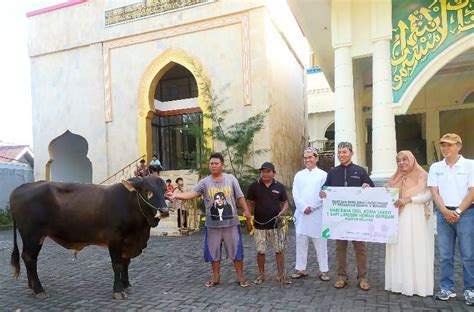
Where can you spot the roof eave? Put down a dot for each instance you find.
(314, 19)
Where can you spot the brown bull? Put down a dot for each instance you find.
(74, 215)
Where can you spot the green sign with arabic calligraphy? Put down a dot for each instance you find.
(421, 30)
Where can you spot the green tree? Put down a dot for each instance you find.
(236, 138)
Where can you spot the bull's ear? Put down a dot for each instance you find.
(128, 186)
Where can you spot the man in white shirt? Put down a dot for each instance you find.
(452, 185)
(308, 215)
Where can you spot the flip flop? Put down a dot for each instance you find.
(243, 284)
(211, 283)
(259, 280)
(364, 284)
(299, 274)
(323, 276)
(340, 284)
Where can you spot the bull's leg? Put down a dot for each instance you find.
(125, 282)
(115, 251)
(30, 279)
(30, 257)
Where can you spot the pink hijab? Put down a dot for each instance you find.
(411, 181)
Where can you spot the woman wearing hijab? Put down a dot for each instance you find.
(409, 263)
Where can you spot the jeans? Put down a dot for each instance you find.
(447, 234)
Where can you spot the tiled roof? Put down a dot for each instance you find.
(10, 153)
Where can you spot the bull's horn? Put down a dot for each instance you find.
(128, 185)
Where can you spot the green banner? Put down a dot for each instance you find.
(422, 30)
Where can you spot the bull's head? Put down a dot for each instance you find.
(151, 192)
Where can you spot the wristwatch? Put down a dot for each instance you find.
(458, 211)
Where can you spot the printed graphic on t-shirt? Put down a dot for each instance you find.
(221, 208)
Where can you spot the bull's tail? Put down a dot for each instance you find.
(15, 260)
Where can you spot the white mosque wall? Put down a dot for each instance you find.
(68, 80)
(220, 54)
(67, 94)
(69, 28)
(286, 78)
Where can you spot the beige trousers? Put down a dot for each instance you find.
(341, 259)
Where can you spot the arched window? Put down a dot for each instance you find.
(469, 98)
(178, 83)
(330, 136)
(178, 120)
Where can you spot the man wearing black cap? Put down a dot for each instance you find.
(268, 197)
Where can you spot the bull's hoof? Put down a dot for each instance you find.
(128, 290)
(41, 295)
(119, 295)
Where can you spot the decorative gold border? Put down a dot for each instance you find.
(437, 63)
(224, 21)
(147, 87)
(144, 10)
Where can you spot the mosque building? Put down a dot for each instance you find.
(115, 81)
(393, 75)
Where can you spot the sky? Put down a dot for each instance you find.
(15, 85)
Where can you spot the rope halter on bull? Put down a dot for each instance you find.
(280, 224)
(157, 211)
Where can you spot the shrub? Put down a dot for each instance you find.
(6, 216)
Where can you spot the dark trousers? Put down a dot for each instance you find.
(182, 218)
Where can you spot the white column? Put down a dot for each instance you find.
(344, 114)
(384, 144)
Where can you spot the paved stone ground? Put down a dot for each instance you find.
(170, 275)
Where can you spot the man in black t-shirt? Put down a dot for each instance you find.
(268, 197)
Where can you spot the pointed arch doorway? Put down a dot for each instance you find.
(177, 120)
(174, 92)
